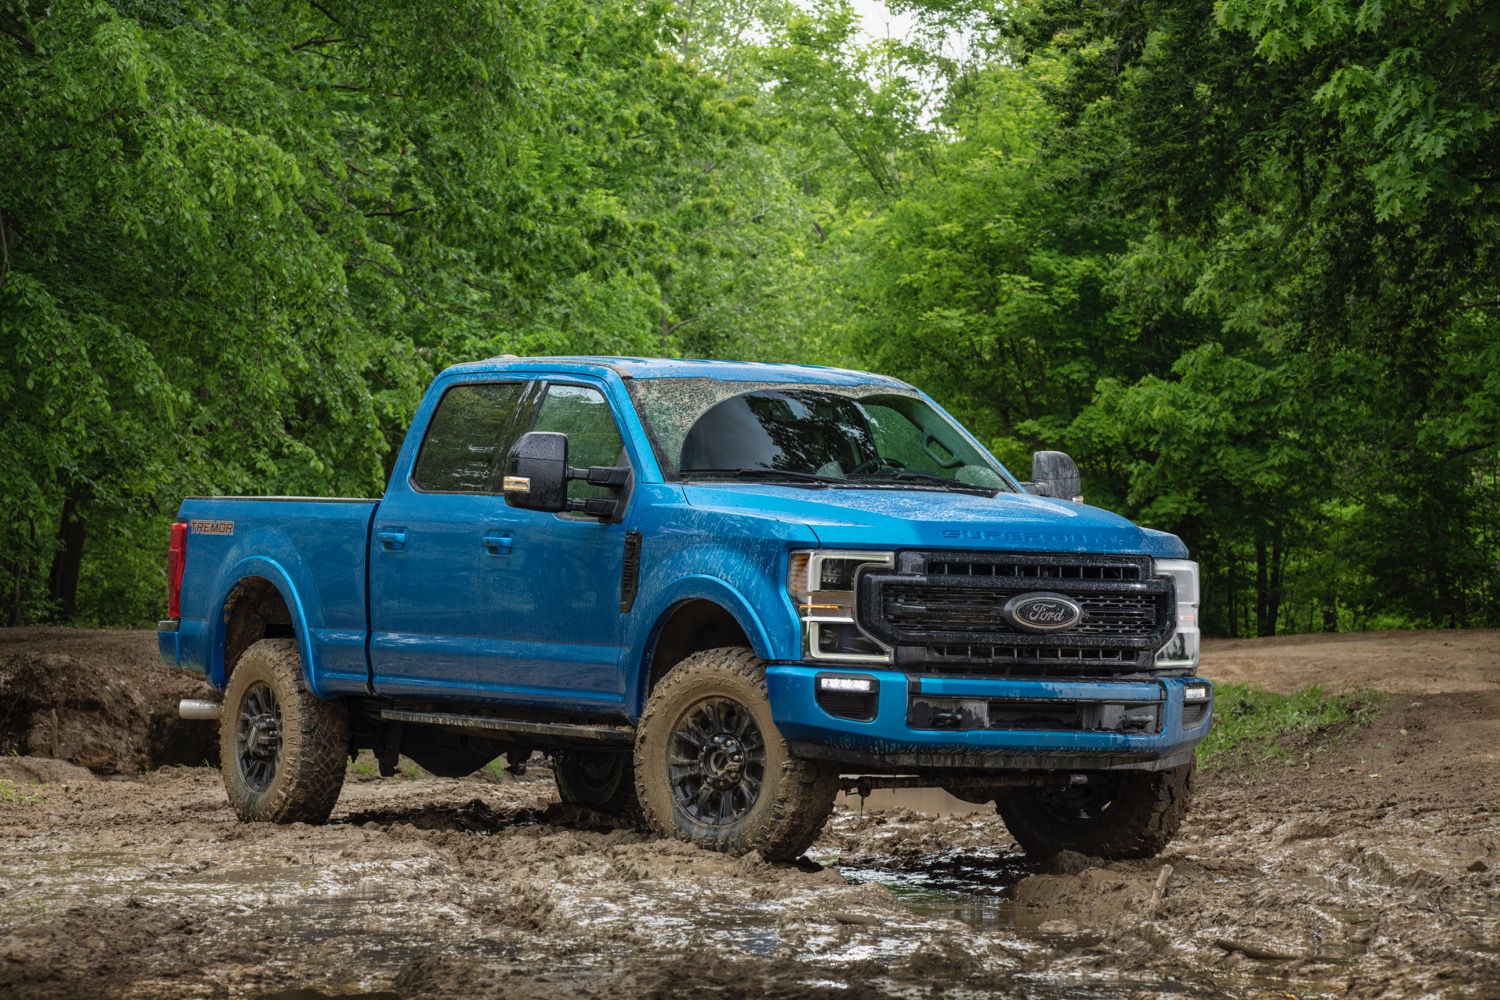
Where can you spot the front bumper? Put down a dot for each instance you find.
(1093, 738)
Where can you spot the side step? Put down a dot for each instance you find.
(552, 733)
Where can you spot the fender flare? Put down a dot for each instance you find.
(695, 588)
(277, 576)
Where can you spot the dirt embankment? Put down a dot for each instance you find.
(1365, 868)
(101, 699)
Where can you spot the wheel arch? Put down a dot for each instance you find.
(262, 603)
(692, 623)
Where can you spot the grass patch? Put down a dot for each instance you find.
(1259, 726)
(366, 764)
(10, 793)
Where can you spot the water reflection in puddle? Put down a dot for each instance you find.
(966, 886)
(972, 886)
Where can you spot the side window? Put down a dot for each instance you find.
(468, 438)
(593, 439)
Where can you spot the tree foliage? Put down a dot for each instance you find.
(1238, 257)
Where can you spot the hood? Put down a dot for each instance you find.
(901, 519)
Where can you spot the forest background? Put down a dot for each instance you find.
(1238, 257)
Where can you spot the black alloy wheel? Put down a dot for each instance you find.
(601, 780)
(283, 750)
(258, 737)
(717, 763)
(711, 767)
(1119, 814)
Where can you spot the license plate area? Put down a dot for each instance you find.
(960, 714)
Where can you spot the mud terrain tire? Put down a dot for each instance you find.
(601, 780)
(1129, 814)
(283, 749)
(712, 769)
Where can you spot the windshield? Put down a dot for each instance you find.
(846, 435)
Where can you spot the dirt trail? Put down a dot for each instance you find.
(1444, 662)
(1365, 868)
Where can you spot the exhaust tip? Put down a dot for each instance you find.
(197, 708)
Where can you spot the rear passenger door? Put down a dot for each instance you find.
(433, 544)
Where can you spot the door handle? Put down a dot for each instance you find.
(391, 539)
(498, 544)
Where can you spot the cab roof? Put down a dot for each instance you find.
(652, 368)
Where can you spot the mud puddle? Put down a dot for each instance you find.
(973, 890)
(972, 887)
(1364, 868)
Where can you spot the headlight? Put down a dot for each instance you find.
(1181, 650)
(822, 585)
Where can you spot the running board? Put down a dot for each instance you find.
(564, 733)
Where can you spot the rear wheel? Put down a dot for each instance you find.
(599, 779)
(1124, 814)
(711, 767)
(283, 750)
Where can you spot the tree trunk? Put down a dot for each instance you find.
(1273, 595)
(62, 586)
(1231, 604)
(15, 594)
(1263, 625)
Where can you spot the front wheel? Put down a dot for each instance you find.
(283, 750)
(1123, 814)
(712, 769)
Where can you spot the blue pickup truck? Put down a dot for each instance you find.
(713, 593)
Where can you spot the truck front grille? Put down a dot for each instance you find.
(941, 612)
(1016, 568)
(975, 609)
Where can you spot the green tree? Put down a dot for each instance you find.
(238, 239)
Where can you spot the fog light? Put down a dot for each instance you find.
(1194, 693)
(862, 685)
(844, 697)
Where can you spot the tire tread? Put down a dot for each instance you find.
(805, 791)
(1148, 815)
(314, 747)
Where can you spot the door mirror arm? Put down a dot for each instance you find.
(615, 477)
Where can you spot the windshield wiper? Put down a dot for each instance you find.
(909, 476)
(768, 474)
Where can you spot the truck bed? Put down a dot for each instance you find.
(313, 550)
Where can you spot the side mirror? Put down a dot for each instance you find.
(539, 477)
(1054, 474)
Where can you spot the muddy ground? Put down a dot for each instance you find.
(1366, 866)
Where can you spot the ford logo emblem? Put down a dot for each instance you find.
(1042, 611)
